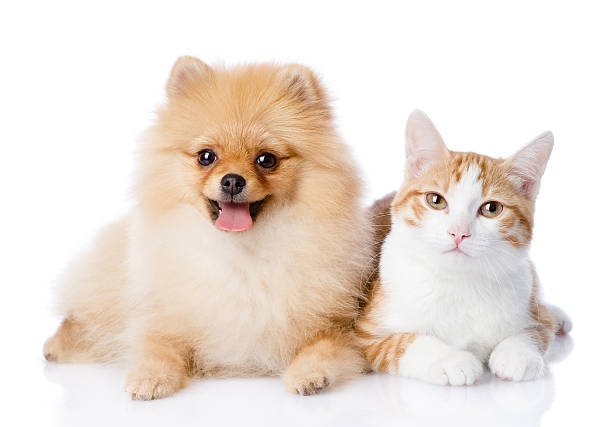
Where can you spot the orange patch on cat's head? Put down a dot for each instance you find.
(516, 220)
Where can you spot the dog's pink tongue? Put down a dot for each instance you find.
(234, 217)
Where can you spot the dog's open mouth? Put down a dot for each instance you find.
(231, 216)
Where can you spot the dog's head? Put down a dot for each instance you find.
(235, 142)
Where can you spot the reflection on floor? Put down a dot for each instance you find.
(91, 395)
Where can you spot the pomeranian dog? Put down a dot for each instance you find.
(247, 248)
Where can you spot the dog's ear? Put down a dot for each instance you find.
(186, 71)
(302, 83)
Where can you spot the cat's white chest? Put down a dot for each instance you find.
(467, 309)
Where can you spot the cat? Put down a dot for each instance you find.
(455, 286)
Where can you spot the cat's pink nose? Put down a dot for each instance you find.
(458, 236)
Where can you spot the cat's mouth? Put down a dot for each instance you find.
(457, 251)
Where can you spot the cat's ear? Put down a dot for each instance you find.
(528, 164)
(186, 71)
(424, 145)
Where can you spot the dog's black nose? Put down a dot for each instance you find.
(232, 184)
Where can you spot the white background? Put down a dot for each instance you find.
(79, 83)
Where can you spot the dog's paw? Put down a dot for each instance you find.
(306, 378)
(457, 369)
(52, 349)
(513, 361)
(66, 344)
(307, 385)
(146, 385)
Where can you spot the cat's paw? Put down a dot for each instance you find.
(563, 323)
(457, 369)
(513, 361)
(144, 384)
(431, 360)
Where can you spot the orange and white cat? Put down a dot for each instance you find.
(456, 288)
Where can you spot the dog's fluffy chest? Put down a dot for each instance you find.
(469, 310)
(245, 300)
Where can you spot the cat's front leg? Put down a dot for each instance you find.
(517, 358)
(422, 357)
(429, 359)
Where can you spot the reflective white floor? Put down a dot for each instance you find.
(89, 396)
(79, 395)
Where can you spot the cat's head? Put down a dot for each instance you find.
(463, 206)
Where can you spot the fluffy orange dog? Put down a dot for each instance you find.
(247, 247)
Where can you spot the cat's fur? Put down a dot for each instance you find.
(438, 313)
(177, 297)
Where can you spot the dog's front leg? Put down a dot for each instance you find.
(160, 370)
(329, 359)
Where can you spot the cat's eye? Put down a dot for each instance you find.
(436, 201)
(491, 209)
(206, 157)
(266, 160)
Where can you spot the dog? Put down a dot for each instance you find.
(247, 248)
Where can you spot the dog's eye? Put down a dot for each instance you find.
(206, 157)
(436, 201)
(491, 209)
(266, 160)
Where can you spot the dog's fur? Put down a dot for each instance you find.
(176, 297)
